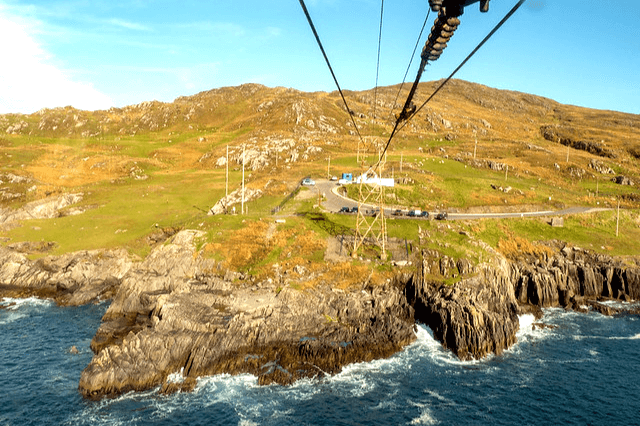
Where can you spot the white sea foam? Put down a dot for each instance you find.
(15, 304)
(636, 337)
(177, 377)
(425, 418)
(429, 346)
(620, 305)
(18, 308)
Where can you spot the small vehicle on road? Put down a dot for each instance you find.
(308, 182)
(344, 209)
(354, 210)
(414, 213)
(442, 216)
(424, 214)
(397, 212)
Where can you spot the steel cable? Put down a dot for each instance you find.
(375, 95)
(315, 33)
(495, 29)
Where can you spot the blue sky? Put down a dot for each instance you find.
(94, 54)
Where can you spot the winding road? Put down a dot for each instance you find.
(334, 202)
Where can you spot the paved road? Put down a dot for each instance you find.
(334, 203)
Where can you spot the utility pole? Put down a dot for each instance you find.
(226, 181)
(618, 219)
(242, 207)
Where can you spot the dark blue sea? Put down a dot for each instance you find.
(586, 371)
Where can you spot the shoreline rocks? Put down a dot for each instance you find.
(177, 315)
(184, 319)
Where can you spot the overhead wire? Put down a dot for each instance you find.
(478, 47)
(375, 95)
(326, 58)
(413, 55)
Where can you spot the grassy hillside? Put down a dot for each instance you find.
(158, 166)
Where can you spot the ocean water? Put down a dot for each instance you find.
(584, 371)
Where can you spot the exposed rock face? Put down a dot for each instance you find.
(478, 314)
(571, 276)
(175, 313)
(225, 204)
(600, 167)
(71, 279)
(474, 317)
(41, 209)
(172, 315)
(623, 180)
(563, 135)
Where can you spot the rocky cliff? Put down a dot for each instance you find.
(473, 309)
(174, 314)
(178, 315)
(71, 279)
(572, 277)
(474, 316)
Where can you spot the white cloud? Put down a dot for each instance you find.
(29, 78)
(128, 25)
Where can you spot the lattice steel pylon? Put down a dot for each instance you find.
(371, 222)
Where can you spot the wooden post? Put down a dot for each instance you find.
(567, 153)
(618, 220)
(226, 181)
(401, 158)
(329, 168)
(242, 209)
(597, 185)
(475, 147)
(506, 173)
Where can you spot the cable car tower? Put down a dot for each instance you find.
(371, 223)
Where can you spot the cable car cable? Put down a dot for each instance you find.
(413, 55)
(315, 33)
(406, 121)
(375, 95)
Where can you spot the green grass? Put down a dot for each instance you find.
(127, 211)
(594, 231)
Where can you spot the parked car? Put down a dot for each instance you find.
(354, 210)
(415, 213)
(424, 214)
(442, 216)
(334, 178)
(397, 212)
(344, 209)
(308, 182)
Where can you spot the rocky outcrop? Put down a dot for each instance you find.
(473, 310)
(46, 208)
(71, 279)
(571, 276)
(623, 180)
(564, 136)
(179, 315)
(475, 315)
(227, 204)
(174, 314)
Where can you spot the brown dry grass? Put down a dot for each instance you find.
(518, 248)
